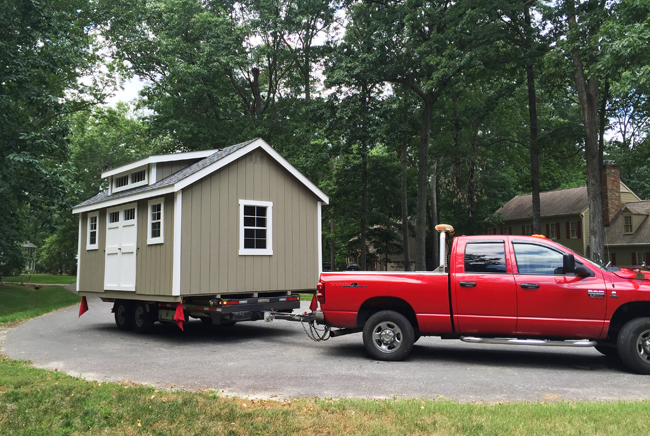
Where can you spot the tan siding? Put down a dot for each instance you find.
(628, 197)
(154, 263)
(211, 263)
(91, 274)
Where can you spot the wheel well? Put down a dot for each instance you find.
(625, 313)
(377, 304)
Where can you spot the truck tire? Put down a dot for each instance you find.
(634, 345)
(123, 314)
(142, 319)
(388, 335)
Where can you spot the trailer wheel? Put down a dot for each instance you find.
(142, 319)
(123, 315)
(388, 335)
(634, 345)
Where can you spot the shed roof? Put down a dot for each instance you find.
(191, 174)
(570, 201)
(614, 232)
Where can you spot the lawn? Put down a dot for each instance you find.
(19, 302)
(46, 279)
(39, 402)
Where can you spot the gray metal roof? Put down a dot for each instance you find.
(169, 180)
(614, 232)
(561, 202)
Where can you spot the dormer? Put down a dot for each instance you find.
(150, 170)
(631, 220)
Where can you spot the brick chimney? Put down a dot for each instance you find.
(611, 190)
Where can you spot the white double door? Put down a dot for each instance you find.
(121, 247)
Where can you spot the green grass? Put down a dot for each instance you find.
(306, 297)
(46, 279)
(19, 302)
(39, 402)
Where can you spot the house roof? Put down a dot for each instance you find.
(614, 232)
(570, 201)
(188, 175)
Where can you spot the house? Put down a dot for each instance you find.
(237, 220)
(565, 219)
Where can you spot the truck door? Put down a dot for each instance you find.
(552, 303)
(484, 289)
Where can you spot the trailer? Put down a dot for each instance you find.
(220, 235)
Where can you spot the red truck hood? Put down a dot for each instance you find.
(625, 273)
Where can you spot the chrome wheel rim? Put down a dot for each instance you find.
(643, 346)
(387, 337)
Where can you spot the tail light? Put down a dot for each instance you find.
(320, 292)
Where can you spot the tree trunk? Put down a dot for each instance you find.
(434, 214)
(423, 176)
(603, 123)
(332, 247)
(534, 144)
(364, 204)
(588, 99)
(405, 215)
(255, 89)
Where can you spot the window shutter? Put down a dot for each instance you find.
(647, 258)
(510, 230)
(557, 231)
(548, 231)
(568, 230)
(579, 229)
(613, 255)
(523, 230)
(633, 258)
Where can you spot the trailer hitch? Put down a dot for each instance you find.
(308, 321)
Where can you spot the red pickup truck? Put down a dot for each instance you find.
(495, 289)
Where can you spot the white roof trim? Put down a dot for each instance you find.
(159, 158)
(259, 143)
(124, 199)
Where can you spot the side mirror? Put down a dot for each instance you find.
(568, 263)
(581, 271)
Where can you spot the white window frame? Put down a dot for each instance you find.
(529, 230)
(625, 226)
(573, 230)
(553, 229)
(640, 258)
(160, 239)
(94, 246)
(268, 251)
(130, 184)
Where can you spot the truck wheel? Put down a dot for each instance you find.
(142, 320)
(388, 335)
(123, 315)
(634, 345)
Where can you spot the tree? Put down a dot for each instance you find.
(45, 48)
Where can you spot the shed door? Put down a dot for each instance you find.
(121, 246)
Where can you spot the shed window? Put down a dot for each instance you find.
(255, 227)
(138, 176)
(627, 224)
(91, 241)
(121, 181)
(134, 179)
(156, 216)
(114, 217)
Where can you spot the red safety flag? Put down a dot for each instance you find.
(179, 316)
(314, 303)
(84, 306)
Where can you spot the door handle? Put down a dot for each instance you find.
(529, 286)
(467, 284)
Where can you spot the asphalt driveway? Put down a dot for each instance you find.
(258, 359)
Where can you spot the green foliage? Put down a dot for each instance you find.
(20, 303)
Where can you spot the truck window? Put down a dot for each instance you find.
(485, 257)
(536, 259)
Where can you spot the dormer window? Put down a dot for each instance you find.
(131, 180)
(627, 224)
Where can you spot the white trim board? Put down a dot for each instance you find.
(159, 158)
(125, 199)
(176, 263)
